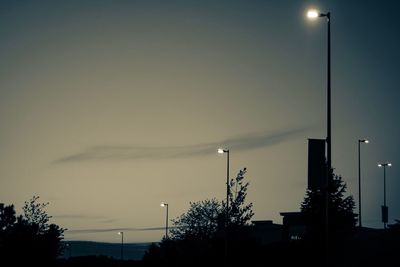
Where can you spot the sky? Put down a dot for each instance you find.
(108, 108)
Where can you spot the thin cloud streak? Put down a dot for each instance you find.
(78, 216)
(102, 219)
(128, 152)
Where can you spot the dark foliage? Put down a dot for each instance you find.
(205, 219)
(239, 212)
(199, 223)
(341, 219)
(28, 238)
(198, 236)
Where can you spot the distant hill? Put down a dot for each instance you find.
(132, 251)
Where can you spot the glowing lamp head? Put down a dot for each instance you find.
(385, 164)
(312, 14)
(366, 141)
(163, 204)
(222, 151)
(120, 233)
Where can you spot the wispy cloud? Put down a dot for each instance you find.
(104, 230)
(130, 152)
(77, 216)
(102, 219)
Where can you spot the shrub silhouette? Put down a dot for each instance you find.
(197, 236)
(28, 238)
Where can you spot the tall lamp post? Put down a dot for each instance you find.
(122, 244)
(385, 209)
(359, 179)
(222, 151)
(163, 204)
(314, 14)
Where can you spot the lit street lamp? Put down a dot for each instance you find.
(122, 244)
(222, 151)
(385, 209)
(314, 14)
(166, 221)
(359, 179)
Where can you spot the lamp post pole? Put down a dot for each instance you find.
(227, 189)
(359, 180)
(385, 217)
(166, 224)
(385, 209)
(166, 219)
(222, 151)
(328, 139)
(329, 129)
(122, 244)
(313, 14)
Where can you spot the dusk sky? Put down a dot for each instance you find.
(108, 108)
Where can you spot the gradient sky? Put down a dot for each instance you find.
(108, 108)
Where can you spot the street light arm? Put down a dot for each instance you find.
(328, 15)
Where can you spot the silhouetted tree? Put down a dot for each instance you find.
(239, 212)
(199, 222)
(204, 218)
(7, 217)
(29, 235)
(341, 216)
(34, 213)
(196, 237)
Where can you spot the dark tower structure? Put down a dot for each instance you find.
(316, 164)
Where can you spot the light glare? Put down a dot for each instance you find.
(385, 164)
(312, 14)
(220, 151)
